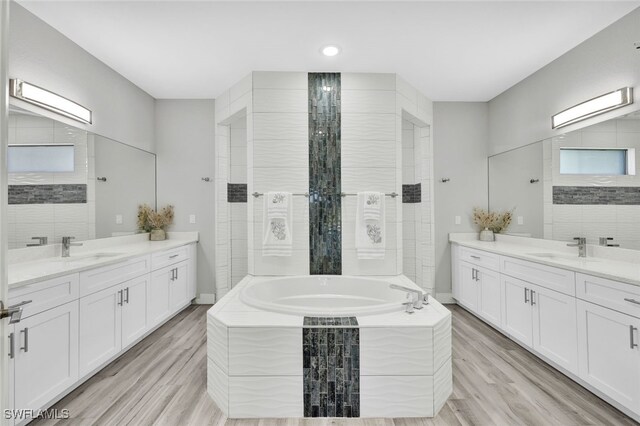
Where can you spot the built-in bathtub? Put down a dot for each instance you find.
(328, 346)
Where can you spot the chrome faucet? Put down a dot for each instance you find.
(418, 298)
(66, 245)
(582, 246)
(42, 241)
(604, 241)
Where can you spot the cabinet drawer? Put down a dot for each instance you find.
(546, 276)
(480, 258)
(608, 293)
(45, 295)
(169, 257)
(100, 278)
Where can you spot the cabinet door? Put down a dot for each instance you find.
(468, 286)
(46, 355)
(516, 310)
(100, 328)
(134, 309)
(555, 332)
(179, 288)
(455, 271)
(606, 357)
(158, 296)
(490, 297)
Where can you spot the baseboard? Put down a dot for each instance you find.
(445, 298)
(205, 299)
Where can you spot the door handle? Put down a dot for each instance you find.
(526, 295)
(12, 346)
(13, 312)
(126, 292)
(119, 297)
(632, 344)
(26, 339)
(533, 301)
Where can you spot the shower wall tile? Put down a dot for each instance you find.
(289, 179)
(368, 81)
(369, 179)
(280, 80)
(369, 101)
(280, 153)
(281, 125)
(364, 127)
(370, 153)
(280, 100)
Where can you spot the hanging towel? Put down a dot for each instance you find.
(277, 223)
(372, 203)
(370, 233)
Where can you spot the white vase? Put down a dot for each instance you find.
(487, 235)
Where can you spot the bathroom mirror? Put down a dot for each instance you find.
(65, 181)
(583, 183)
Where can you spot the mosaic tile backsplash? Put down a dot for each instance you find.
(594, 195)
(325, 227)
(331, 367)
(236, 192)
(412, 193)
(48, 194)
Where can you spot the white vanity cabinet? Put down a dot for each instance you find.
(589, 327)
(77, 323)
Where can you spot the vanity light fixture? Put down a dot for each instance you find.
(48, 100)
(330, 50)
(593, 107)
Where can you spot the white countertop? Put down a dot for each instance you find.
(605, 262)
(30, 265)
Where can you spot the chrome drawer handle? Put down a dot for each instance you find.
(632, 344)
(175, 255)
(475, 257)
(634, 301)
(26, 339)
(12, 346)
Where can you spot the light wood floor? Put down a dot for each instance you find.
(162, 380)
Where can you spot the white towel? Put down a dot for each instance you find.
(277, 222)
(372, 203)
(370, 233)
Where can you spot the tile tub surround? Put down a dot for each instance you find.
(411, 193)
(597, 195)
(48, 194)
(325, 202)
(255, 359)
(237, 192)
(33, 264)
(331, 366)
(612, 263)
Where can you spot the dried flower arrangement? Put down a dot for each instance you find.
(493, 221)
(155, 222)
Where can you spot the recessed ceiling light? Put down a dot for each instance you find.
(330, 50)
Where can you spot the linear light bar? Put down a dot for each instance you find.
(593, 107)
(53, 102)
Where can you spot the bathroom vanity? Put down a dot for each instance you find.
(89, 308)
(580, 315)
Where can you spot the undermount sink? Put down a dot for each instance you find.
(87, 258)
(561, 256)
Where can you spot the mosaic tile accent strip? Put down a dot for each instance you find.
(412, 193)
(615, 195)
(236, 193)
(48, 194)
(331, 367)
(325, 203)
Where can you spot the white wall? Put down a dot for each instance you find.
(41, 55)
(605, 62)
(185, 142)
(461, 136)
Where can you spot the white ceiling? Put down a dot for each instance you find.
(455, 51)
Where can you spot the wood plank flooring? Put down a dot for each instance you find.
(162, 381)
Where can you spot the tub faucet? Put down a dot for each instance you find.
(604, 241)
(418, 298)
(66, 245)
(582, 246)
(42, 241)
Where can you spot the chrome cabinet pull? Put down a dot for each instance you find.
(26, 339)
(119, 297)
(632, 344)
(473, 273)
(173, 256)
(475, 257)
(177, 273)
(526, 295)
(12, 346)
(533, 301)
(634, 301)
(126, 292)
(477, 275)
(173, 274)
